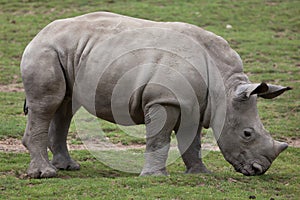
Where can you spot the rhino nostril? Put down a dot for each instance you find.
(257, 168)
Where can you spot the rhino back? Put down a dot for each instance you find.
(68, 34)
(96, 50)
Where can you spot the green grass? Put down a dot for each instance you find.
(96, 180)
(12, 119)
(265, 33)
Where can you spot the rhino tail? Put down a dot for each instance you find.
(25, 107)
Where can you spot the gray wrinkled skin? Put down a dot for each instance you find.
(172, 85)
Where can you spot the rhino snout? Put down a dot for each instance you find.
(257, 168)
(252, 169)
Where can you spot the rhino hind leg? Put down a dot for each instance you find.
(35, 140)
(160, 121)
(58, 132)
(45, 89)
(190, 150)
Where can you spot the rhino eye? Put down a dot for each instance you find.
(247, 134)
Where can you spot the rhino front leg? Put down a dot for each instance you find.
(190, 149)
(160, 121)
(58, 132)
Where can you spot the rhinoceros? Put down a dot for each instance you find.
(170, 76)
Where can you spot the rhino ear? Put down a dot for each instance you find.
(273, 91)
(244, 91)
(267, 91)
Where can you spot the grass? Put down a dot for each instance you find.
(12, 118)
(265, 33)
(96, 180)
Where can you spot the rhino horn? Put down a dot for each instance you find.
(279, 147)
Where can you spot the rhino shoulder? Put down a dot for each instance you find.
(221, 49)
(215, 46)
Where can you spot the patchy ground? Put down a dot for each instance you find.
(15, 145)
(15, 87)
(294, 142)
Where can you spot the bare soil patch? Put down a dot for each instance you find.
(15, 145)
(293, 142)
(15, 87)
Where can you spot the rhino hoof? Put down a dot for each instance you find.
(48, 172)
(197, 170)
(155, 173)
(66, 165)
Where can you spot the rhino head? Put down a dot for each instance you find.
(243, 141)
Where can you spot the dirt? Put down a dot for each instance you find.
(15, 145)
(15, 87)
(293, 142)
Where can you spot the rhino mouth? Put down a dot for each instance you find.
(251, 169)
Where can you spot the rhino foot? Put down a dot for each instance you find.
(198, 169)
(41, 172)
(65, 164)
(162, 172)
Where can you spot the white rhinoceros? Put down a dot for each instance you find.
(166, 75)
